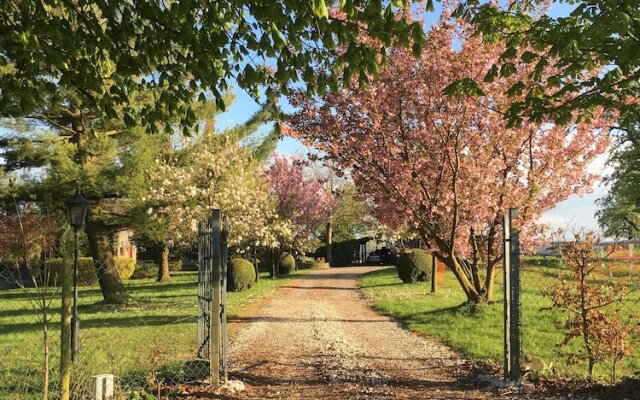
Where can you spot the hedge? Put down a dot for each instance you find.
(86, 270)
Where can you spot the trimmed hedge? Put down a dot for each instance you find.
(414, 266)
(86, 271)
(287, 264)
(240, 274)
(149, 269)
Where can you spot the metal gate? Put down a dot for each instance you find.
(212, 290)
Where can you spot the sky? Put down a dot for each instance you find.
(576, 211)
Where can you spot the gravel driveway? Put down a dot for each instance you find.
(316, 338)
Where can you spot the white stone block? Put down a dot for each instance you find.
(101, 387)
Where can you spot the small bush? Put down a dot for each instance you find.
(287, 264)
(149, 269)
(87, 272)
(307, 262)
(145, 270)
(240, 275)
(175, 265)
(414, 266)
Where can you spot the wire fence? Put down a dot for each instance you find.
(148, 342)
(151, 340)
(553, 340)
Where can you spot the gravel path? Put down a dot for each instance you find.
(316, 338)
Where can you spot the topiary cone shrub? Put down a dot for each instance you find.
(240, 274)
(414, 265)
(287, 264)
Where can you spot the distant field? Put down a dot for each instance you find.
(157, 327)
(477, 333)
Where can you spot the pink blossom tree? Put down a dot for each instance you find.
(300, 198)
(450, 166)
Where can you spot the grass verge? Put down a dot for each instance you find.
(158, 325)
(477, 332)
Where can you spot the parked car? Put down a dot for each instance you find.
(374, 258)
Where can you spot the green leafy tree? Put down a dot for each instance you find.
(182, 50)
(600, 36)
(619, 213)
(64, 145)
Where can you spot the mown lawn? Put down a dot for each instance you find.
(156, 328)
(478, 332)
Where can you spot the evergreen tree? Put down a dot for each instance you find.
(619, 213)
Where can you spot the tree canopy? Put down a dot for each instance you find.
(601, 36)
(449, 167)
(180, 51)
(299, 198)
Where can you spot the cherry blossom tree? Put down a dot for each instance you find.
(300, 199)
(450, 166)
(214, 172)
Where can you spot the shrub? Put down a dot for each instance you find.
(175, 265)
(240, 274)
(307, 262)
(87, 272)
(414, 266)
(145, 270)
(287, 264)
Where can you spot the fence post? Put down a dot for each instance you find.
(223, 295)
(216, 271)
(514, 277)
(506, 289)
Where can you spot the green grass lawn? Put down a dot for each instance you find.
(478, 332)
(157, 327)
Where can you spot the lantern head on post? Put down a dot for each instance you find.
(77, 206)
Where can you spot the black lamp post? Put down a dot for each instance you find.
(78, 206)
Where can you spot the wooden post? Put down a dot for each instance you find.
(434, 273)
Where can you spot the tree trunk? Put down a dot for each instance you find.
(255, 263)
(490, 280)
(45, 350)
(434, 274)
(274, 263)
(163, 270)
(100, 244)
(328, 243)
(473, 296)
(65, 333)
(586, 335)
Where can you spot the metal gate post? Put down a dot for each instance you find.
(223, 296)
(212, 295)
(514, 295)
(506, 268)
(216, 259)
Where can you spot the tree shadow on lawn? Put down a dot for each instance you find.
(109, 322)
(95, 291)
(382, 285)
